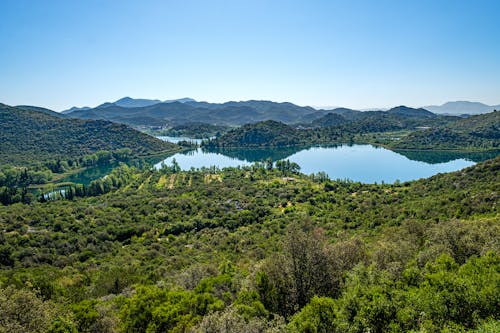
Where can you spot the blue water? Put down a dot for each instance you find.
(363, 163)
(369, 164)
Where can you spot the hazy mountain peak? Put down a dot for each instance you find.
(461, 107)
(128, 102)
(181, 100)
(76, 108)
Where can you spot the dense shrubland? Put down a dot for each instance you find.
(256, 249)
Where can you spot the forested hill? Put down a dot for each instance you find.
(476, 132)
(333, 128)
(417, 129)
(28, 136)
(487, 125)
(40, 109)
(261, 134)
(276, 134)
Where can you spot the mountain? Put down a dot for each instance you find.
(176, 112)
(462, 107)
(75, 108)
(411, 112)
(180, 100)
(399, 117)
(403, 111)
(127, 102)
(29, 136)
(186, 110)
(349, 113)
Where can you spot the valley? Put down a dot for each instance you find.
(249, 166)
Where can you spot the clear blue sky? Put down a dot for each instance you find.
(350, 53)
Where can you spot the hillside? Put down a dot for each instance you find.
(476, 132)
(42, 110)
(29, 136)
(485, 125)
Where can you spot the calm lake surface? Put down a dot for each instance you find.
(363, 163)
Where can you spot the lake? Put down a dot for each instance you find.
(363, 163)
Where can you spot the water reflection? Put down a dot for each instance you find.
(434, 157)
(364, 163)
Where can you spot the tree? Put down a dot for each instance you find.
(317, 316)
(175, 166)
(287, 282)
(23, 311)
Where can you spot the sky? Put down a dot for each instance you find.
(351, 53)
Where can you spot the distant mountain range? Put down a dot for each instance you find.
(128, 102)
(140, 112)
(462, 107)
(153, 112)
(144, 112)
